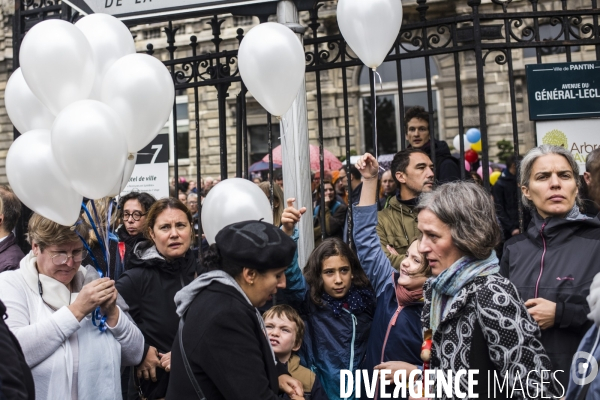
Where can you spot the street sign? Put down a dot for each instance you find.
(580, 137)
(151, 171)
(563, 90)
(134, 9)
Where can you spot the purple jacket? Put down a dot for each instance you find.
(10, 253)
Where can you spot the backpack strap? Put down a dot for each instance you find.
(186, 363)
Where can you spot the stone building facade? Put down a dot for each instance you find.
(443, 82)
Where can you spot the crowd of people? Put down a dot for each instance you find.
(441, 275)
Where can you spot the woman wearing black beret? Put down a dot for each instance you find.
(221, 350)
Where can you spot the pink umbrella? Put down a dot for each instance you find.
(330, 161)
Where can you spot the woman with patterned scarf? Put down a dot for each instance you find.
(336, 302)
(476, 317)
(396, 333)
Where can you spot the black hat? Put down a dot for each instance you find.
(256, 245)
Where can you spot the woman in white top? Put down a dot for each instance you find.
(49, 302)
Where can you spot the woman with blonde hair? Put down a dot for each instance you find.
(278, 203)
(396, 333)
(51, 302)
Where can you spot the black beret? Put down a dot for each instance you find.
(256, 245)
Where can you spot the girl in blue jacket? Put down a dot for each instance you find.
(336, 302)
(396, 334)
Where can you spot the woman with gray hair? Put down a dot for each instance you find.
(474, 315)
(554, 261)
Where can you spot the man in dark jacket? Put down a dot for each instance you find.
(419, 137)
(506, 196)
(10, 252)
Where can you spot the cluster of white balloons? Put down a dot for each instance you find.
(85, 104)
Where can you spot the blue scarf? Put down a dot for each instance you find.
(453, 279)
(356, 301)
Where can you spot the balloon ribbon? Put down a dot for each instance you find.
(98, 319)
(376, 74)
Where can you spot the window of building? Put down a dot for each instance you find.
(259, 140)
(550, 32)
(414, 84)
(242, 20)
(183, 130)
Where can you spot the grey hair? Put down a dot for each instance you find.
(534, 154)
(192, 195)
(468, 210)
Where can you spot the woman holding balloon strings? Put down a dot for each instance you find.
(49, 301)
(337, 303)
(159, 268)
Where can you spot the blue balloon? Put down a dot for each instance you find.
(473, 135)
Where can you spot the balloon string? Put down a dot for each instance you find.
(109, 215)
(96, 314)
(95, 229)
(102, 230)
(284, 120)
(375, 75)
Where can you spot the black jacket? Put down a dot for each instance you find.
(335, 218)
(149, 289)
(227, 350)
(559, 258)
(16, 381)
(130, 242)
(10, 253)
(447, 168)
(506, 197)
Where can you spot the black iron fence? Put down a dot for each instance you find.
(472, 41)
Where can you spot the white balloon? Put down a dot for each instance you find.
(456, 142)
(127, 171)
(272, 65)
(230, 201)
(109, 39)
(57, 64)
(25, 110)
(89, 145)
(370, 27)
(37, 180)
(139, 87)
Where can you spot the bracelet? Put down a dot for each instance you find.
(375, 175)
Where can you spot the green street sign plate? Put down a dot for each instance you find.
(563, 90)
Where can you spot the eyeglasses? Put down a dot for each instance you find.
(421, 129)
(192, 203)
(136, 215)
(62, 258)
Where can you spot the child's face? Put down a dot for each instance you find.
(282, 335)
(410, 265)
(337, 276)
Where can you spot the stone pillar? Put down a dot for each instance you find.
(294, 143)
